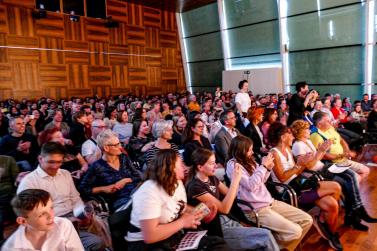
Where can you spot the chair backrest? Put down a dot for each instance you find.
(119, 223)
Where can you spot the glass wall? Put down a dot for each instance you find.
(202, 38)
(252, 28)
(326, 45)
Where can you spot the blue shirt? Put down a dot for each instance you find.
(100, 173)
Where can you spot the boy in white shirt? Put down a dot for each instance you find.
(39, 229)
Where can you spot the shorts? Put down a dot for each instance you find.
(308, 198)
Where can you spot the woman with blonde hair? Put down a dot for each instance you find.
(324, 194)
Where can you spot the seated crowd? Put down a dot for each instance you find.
(172, 156)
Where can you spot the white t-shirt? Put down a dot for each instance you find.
(300, 148)
(151, 201)
(62, 237)
(244, 100)
(90, 148)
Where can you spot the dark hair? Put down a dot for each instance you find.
(27, 200)
(268, 113)
(162, 170)
(110, 110)
(119, 116)
(275, 132)
(188, 134)
(138, 113)
(136, 126)
(238, 149)
(318, 116)
(300, 85)
(199, 157)
(78, 115)
(52, 148)
(240, 84)
(224, 116)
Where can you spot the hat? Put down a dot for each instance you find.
(339, 167)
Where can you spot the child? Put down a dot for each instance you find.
(39, 229)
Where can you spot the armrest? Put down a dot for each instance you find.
(290, 191)
(247, 204)
(315, 173)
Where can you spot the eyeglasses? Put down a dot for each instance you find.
(54, 162)
(99, 126)
(117, 144)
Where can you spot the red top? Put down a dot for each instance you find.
(336, 112)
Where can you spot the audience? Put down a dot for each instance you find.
(114, 172)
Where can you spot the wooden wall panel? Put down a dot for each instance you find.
(6, 76)
(74, 30)
(54, 53)
(53, 75)
(56, 57)
(117, 10)
(3, 51)
(53, 26)
(76, 52)
(119, 76)
(78, 76)
(135, 14)
(118, 54)
(118, 35)
(3, 19)
(100, 75)
(20, 21)
(98, 53)
(152, 17)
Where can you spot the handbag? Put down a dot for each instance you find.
(304, 183)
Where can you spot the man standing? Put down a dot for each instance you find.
(243, 101)
(300, 101)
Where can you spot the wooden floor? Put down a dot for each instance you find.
(351, 239)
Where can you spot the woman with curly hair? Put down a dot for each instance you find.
(159, 209)
(324, 194)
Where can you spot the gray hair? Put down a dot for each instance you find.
(104, 137)
(318, 116)
(160, 126)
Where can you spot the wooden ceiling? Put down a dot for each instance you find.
(173, 5)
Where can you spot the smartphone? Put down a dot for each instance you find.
(201, 207)
(31, 116)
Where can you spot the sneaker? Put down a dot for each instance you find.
(322, 228)
(335, 243)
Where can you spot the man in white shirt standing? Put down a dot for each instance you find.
(39, 229)
(58, 182)
(243, 101)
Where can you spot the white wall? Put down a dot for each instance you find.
(261, 81)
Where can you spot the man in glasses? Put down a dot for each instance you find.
(58, 182)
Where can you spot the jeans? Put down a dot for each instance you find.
(350, 187)
(245, 238)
